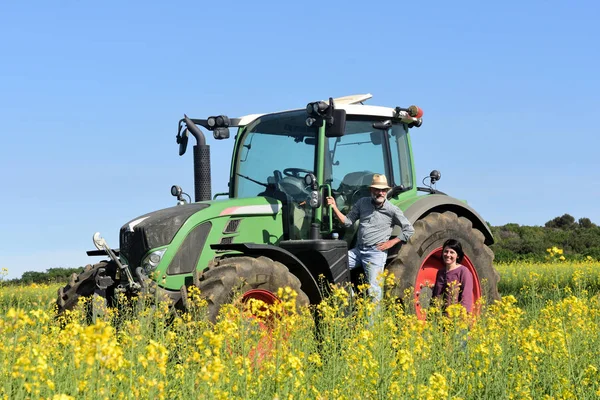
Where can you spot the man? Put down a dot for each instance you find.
(376, 216)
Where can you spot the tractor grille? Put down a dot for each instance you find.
(232, 226)
(153, 230)
(133, 246)
(226, 240)
(189, 252)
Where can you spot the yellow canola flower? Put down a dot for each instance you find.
(315, 359)
(156, 353)
(215, 340)
(94, 344)
(387, 355)
(17, 320)
(404, 359)
(437, 388)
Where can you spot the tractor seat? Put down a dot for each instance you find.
(355, 185)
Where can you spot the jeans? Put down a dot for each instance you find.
(373, 261)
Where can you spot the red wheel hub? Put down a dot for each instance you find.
(265, 296)
(426, 281)
(265, 344)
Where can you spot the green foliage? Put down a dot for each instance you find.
(51, 275)
(586, 223)
(565, 222)
(517, 243)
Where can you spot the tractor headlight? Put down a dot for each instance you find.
(151, 261)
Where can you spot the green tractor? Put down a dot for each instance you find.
(272, 229)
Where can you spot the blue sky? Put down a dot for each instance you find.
(90, 95)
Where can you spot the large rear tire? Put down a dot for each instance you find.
(248, 277)
(84, 285)
(419, 260)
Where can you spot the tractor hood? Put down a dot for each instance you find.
(153, 230)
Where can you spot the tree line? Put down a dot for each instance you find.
(51, 275)
(513, 242)
(578, 240)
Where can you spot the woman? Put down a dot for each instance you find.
(454, 282)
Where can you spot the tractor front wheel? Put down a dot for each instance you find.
(259, 278)
(419, 260)
(85, 285)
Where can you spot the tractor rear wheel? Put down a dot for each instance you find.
(419, 260)
(84, 285)
(259, 278)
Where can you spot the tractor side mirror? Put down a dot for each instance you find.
(182, 139)
(338, 127)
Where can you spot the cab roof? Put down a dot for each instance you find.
(352, 104)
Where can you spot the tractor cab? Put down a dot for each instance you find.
(287, 155)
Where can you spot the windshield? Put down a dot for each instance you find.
(363, 151)
(277, 150)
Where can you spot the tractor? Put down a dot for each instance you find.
(273, 229)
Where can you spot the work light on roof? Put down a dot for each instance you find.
(220, 121)
(318, 108)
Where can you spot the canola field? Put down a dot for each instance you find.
(541, 341)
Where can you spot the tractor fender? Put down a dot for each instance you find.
(296, 267)
(440, 203)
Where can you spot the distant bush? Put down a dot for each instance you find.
(529, 243)
(51, 275)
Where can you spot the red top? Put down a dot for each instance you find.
(454, 293)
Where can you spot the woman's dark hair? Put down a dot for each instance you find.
(457, 247)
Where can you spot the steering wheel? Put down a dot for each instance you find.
(292, 183)
(295, 172)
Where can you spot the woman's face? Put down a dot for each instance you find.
(449, 256)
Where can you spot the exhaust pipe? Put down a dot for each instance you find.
(202, 184)
(202, 188)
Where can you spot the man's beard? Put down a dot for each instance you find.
(377, 200)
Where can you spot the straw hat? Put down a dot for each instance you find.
(379, 182)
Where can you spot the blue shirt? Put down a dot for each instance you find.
(376, 223)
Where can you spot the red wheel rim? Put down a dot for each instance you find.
(265, 345)
(265, 296)
(426, 280)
